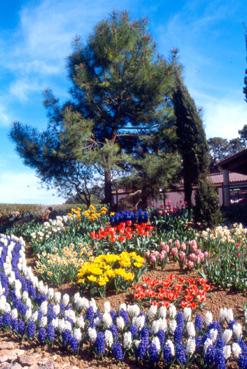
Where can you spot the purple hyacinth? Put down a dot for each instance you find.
(198, 323)
(167, 354)
(123, 313)
(14, 325)
(153, 353)
(100, 343)
(114, 332)
(31, 329)
(162, 337)
(242, 361)
(199, 343)
(90, 314)
(66, 337)
(21, 327)
(117, 351)
(133, 330)
(7, 320)
(42, 335)
(50, 333)
(180, 354)
(220, 359)
(74, 344)
(210, 356)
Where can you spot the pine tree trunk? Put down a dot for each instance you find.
(108, 188)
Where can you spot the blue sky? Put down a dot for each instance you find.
(35, 40)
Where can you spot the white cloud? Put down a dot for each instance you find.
(5, 117)
(42, 42)
(24, 188)
(222, 116)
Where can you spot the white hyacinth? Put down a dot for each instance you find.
(57, 297)
(170, 344)
(172, 311)
(133, 310)
(44, 307)
(207, 343)
(43, 321)
(123, 307)
(187, 313)
(227, 335)
(56, 309)
(172, 325)
(156, 326)
(80, 322)
(107, 320)
(156, 343)
(213, 334)
(236, 350)
(92, 334)
(208, 317)
(65, 299)
(108, 338)
(227, 351)
(77, 334)
(127, 340)
(107, 306)
(120, 323)
(152, 311)
(237, 330)
(162, 312)
(191, 329)
(191, 346)
(14, 314)
(139, 321)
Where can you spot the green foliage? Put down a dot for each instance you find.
(227, 268)
(206, 210)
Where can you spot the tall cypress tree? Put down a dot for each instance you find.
(191, 138)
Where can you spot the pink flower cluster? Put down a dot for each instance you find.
(189, 255)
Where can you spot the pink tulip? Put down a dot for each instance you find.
(183, 246)
(190, 264)
(165, 248)
(192, 257)
(182, 256)
(174, 251)
(153, 259)
(177, 243)
(205, 254)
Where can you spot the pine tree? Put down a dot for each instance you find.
(121, 92)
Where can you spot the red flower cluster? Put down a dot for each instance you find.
(122, 232)
(181, 291)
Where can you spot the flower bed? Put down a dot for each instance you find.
(31, 309)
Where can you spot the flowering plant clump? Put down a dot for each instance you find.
(188, 255)
(90, 214)
(228, 267)
(138, 216)
(122, 232)
(50, 228)
(180, 291)
(114, 272)
(62, 265)
(212, 238)
(31, 310)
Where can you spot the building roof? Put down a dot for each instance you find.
(217, 178)
(235, 163)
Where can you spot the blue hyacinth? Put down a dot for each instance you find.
(117, 351)
(42, 335)
(50, 332)
(74, 344)
(31, 329)
(167, 354)
(198, 323)
(100, 343)
(180, 354)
